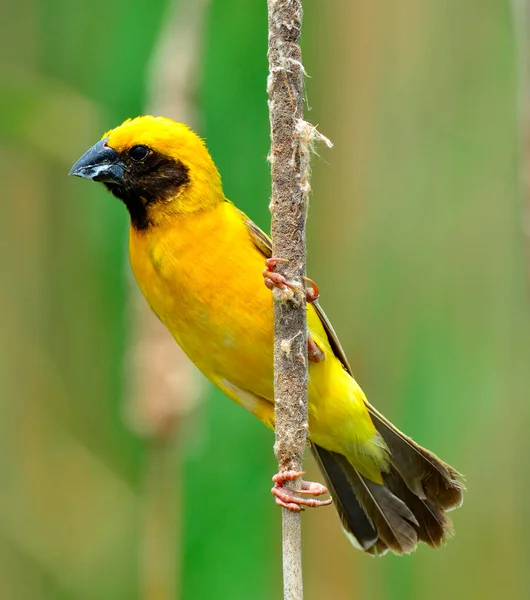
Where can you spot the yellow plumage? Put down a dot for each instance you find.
(198, 264)
(202, 277)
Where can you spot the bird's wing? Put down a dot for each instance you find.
(263, 242)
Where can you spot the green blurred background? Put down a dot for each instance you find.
(416, 239)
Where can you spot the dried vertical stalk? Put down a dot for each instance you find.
(291, 141)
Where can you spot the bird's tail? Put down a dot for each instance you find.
(410, 507)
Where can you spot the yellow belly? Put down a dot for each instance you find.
(202, 276)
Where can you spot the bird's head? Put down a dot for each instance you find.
(156, 166)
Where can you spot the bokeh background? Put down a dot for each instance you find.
(123, 474)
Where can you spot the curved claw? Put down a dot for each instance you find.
(273, 280)
(312, 292)
(314, 353)
(272, 262)
(291, 499)
(276, 280)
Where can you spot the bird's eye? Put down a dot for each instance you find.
(139, 152)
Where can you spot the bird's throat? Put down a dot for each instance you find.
(148, 195)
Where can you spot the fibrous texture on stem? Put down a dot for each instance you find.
(291, 141)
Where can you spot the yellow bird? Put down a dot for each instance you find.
(198, 261)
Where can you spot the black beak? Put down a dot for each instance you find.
(100, 163)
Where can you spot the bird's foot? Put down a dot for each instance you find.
(311, 292)
(314, 353)
(276, 280)
(291, 499)
(273, 280)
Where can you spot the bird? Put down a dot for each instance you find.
(198, 261)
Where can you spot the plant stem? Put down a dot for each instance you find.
(289, 209)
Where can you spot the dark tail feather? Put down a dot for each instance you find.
(425, 475)
(354, 520)
(433, 526)
(376, 518)
(409, 508)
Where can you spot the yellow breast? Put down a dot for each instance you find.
(202, 276)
